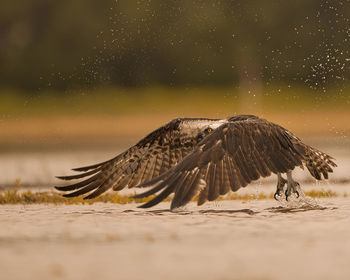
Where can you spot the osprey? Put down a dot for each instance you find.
(209, 157)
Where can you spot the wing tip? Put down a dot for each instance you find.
(90, 196)
(144, 206)
(138, 196)
(69, 195)
(65, 178)
(60, 188)
(80, 169)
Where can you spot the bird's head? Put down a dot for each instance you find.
(208, 129)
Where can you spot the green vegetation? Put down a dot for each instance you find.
(64, 44)
(162, 100)
(28, 197)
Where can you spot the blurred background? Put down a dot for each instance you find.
(82, 80)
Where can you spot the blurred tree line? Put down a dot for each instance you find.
(59, 44)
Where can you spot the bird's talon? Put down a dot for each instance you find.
(286, 193)
(297, 194)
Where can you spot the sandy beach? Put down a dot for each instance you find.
(240, 239)
(224, 240)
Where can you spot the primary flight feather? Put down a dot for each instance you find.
(209, 157)
(150, 157)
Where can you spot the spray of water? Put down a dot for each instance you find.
(303, 201)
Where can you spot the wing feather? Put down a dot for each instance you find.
(187, 191)
(213, 192)
(79, 176)
(236, 154)
(183, 183)
(79, 184)
(149, 158)
(164, 194)
(147, 175)
(84, 190)
(235, 181)
(202, 198)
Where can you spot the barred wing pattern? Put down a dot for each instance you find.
(235, 154)
(150, 157)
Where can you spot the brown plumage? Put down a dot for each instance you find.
(209, 157)
(241, 150)
(150, 157)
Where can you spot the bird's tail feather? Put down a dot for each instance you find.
(318, 163)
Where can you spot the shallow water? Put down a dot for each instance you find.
(38, 167)
(255, 239)
(222, 240)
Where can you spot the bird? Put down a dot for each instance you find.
(205, 157)
(151, 156)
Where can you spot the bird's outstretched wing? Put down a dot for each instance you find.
(235, 154)
(150, 157)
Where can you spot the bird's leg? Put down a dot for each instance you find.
(291, 185)
(280, 185)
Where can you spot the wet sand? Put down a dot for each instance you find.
(223, 240)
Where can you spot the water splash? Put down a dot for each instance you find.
(293, 202)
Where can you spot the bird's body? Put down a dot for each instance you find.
(202, 156)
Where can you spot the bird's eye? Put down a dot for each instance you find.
(209, 129)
